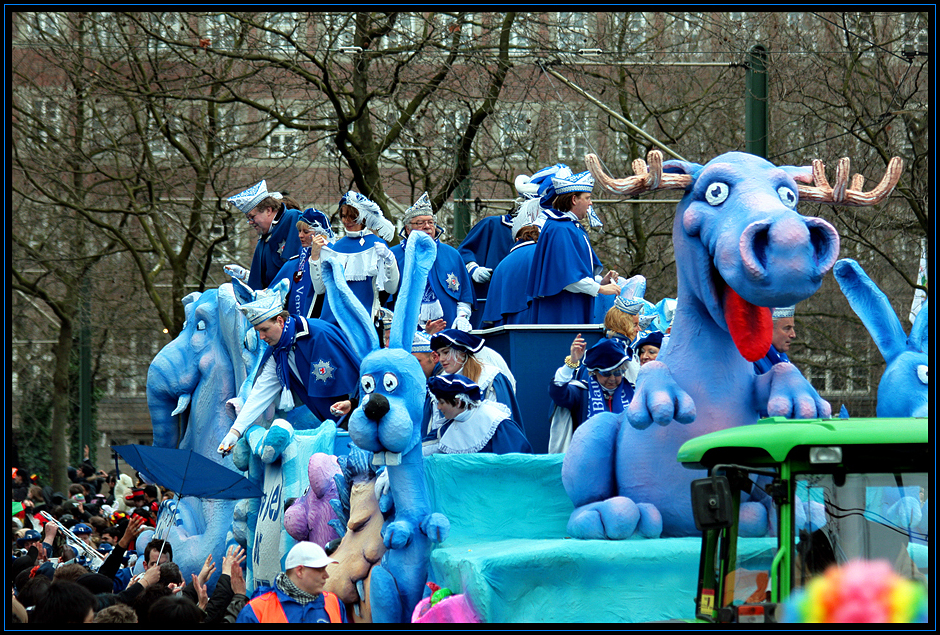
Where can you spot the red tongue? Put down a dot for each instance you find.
(751, 326)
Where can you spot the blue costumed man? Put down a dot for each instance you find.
(563, 283)
(448, 296)
(505, 304)
(307, 292)
(784, 334)
(580, 391)
(370, 267)
(310, 359)
(486, 245)
(274, 216)
(468, 423)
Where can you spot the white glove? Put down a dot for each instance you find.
(462, 324)
(482, 274)
(229, 442)
(383, 252)
(236, 271)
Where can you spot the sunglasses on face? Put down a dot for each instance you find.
(617, 372)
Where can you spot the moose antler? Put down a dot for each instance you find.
(839, 194)
(646, 179)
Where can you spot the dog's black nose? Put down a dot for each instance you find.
(376, 408)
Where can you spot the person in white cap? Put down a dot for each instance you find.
(274, 216)
(448, 298)
(297, 596)
(565, 270)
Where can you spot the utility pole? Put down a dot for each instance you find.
(462, 210)
(755, 102)
(84, 372)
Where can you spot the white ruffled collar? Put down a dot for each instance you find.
(472, 429)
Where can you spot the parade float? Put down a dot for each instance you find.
(603, 533)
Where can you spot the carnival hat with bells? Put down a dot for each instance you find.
(318, 221)
(370, 214)
(249, 199)
(267, 303)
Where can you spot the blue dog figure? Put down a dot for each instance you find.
(387, 423)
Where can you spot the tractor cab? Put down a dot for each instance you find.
(838, 489)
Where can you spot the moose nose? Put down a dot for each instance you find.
(376, 408)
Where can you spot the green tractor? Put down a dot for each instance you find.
(842, 489)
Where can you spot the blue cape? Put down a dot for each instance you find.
(506, 304)
(328, 363)
(274, 249)
(301, 294)
(487, 244)
(563, 255)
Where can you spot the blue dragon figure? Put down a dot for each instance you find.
(740, 248)
(387, 422)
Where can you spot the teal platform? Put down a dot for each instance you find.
(509, 552)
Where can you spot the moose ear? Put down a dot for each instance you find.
(802, 174)
(420, 252)
(872, 307)
(353, 319)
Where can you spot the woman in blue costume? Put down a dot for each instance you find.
(468, 423)
(307, 293)
(449, 292)
(563, 283)
(579, 391)
(309, 359)
(274, 216)
(369, 265)
(463, 353)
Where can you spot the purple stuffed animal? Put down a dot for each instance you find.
(309, 517)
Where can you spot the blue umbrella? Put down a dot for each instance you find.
(187, 473)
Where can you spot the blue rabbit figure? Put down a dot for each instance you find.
(903, 388)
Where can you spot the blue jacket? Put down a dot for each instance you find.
(274, 249)
(271, 605)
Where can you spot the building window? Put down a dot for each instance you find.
(222, 30)
(41, 26)
(514, 134)
(407, 32)
(573, 137)
(339, 29)
(523, 36)
(626, 31)
(47, 116)
(571, 32)
(164, 27)
(282, 142)
(283, 26)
